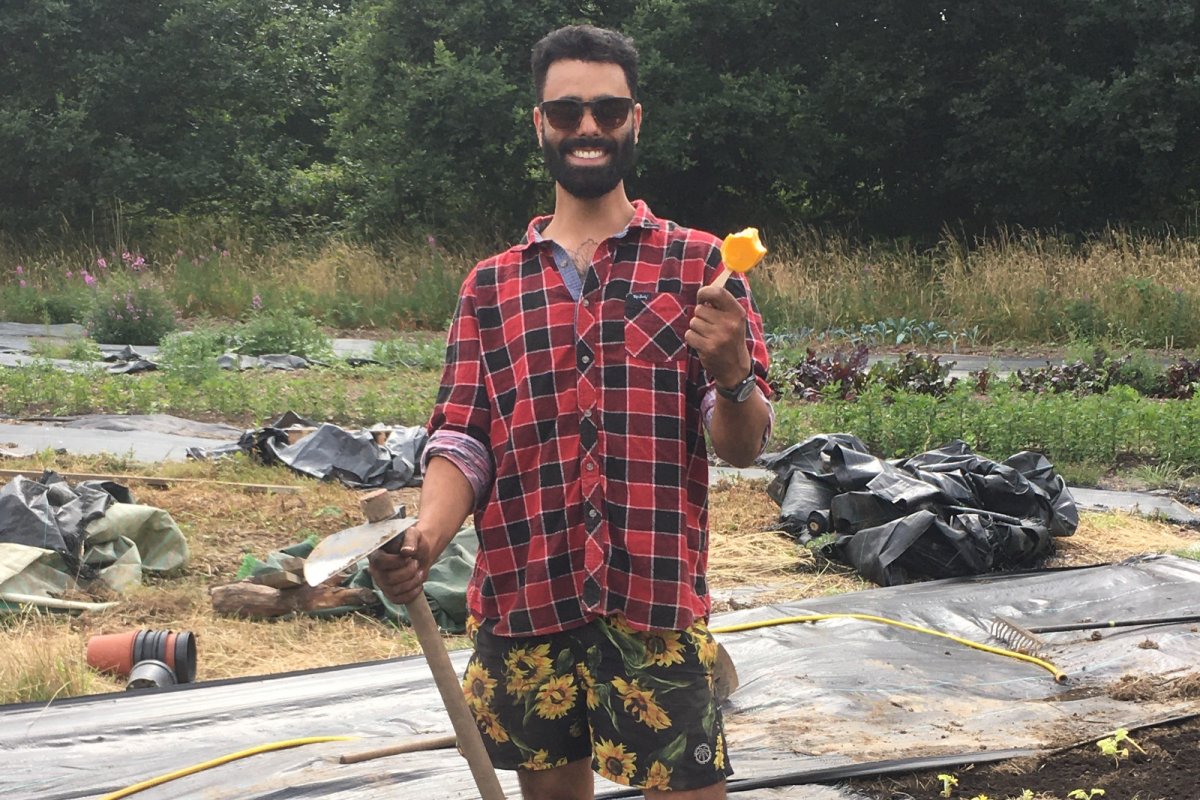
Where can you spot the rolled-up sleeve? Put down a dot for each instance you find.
(460, 426)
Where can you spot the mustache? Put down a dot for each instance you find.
(587, 143)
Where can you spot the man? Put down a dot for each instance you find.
(584, 367)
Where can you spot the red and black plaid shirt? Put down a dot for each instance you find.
(591, 412)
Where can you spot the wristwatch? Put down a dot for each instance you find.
(741, 390)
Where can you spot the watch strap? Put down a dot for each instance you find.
(741, 390)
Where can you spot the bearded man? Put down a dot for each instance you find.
(588, 368)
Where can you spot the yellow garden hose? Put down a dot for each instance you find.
(216, 762)
(1059, 675)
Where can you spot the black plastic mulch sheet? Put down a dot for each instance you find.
(50, 514)
(940, 514)
(333, 453)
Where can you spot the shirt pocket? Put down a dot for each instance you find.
(655, 324)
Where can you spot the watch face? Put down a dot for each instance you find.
(740, 392)
(745, 388)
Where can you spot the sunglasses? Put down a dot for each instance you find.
(610, 113)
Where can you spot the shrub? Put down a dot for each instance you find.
(128, 312)
(282, 331)
(195, 352)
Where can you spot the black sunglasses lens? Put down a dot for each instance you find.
(564, 115)
(611, 112)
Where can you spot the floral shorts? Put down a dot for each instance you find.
(639, 703)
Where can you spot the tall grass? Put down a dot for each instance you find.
(1016, 286)
(43, 659)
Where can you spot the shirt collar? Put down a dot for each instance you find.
(643, 217)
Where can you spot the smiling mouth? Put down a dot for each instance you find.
(591, 154)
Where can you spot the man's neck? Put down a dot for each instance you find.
(576, 220)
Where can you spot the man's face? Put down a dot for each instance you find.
(590, 160)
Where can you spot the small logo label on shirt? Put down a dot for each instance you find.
(641, 297)
(702, 754)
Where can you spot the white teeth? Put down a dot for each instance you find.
(587, 153)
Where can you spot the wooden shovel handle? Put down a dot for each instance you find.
(470, 741)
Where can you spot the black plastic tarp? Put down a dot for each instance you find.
(333, 453)
(837, 692)
(942, 513)
(48, 513)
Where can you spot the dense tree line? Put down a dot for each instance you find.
(895, 115)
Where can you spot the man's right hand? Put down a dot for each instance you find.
(400, 568)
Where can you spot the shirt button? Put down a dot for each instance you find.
(587, 303)
(586, 359)
(587, 412)
(592, 513)
(590, 466)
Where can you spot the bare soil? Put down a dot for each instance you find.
(1168, 769)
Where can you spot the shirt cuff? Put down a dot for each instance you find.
(464, 452)
(709, 402)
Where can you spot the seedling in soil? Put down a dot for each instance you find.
(1091, 794)
(1111, 746)
(948, 784)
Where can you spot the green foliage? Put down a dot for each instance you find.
(105, 102)
(128, 311)
(71, 350)
(306, 115)
(209, 282)
(428, 355)
(282, 331)
(194, 353)
(1111, 746)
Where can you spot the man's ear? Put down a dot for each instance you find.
(537, 124)
(637, 121)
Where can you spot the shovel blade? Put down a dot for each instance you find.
(725, 677)
(344, 549)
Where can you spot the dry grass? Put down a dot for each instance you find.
(1113, 536)
(42, 656)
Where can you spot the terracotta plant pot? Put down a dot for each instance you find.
(117, 653)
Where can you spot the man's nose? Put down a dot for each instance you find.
(587, 123)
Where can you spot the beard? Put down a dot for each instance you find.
(588, 183)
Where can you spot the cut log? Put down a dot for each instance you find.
(253, 600)
(278, 579)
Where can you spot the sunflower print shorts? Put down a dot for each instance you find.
(639, 703)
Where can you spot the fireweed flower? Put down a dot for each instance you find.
(138, 263)
(101, 263)
(127, 257)
(88, 279)
(20, 270)
(70, 274)
(22, 283)
(256, 302)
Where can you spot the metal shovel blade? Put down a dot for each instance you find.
(344, 549)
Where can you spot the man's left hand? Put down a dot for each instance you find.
(717, 332)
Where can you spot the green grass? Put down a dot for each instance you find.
(1115, 286)
(342, 395)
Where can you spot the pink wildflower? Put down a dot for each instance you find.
(127, 257)
(20, 270)
(138, 263)
(88, 279)
(22, 282)
(256, 302)
(101, 263)
(224, 254)
(70, 274)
